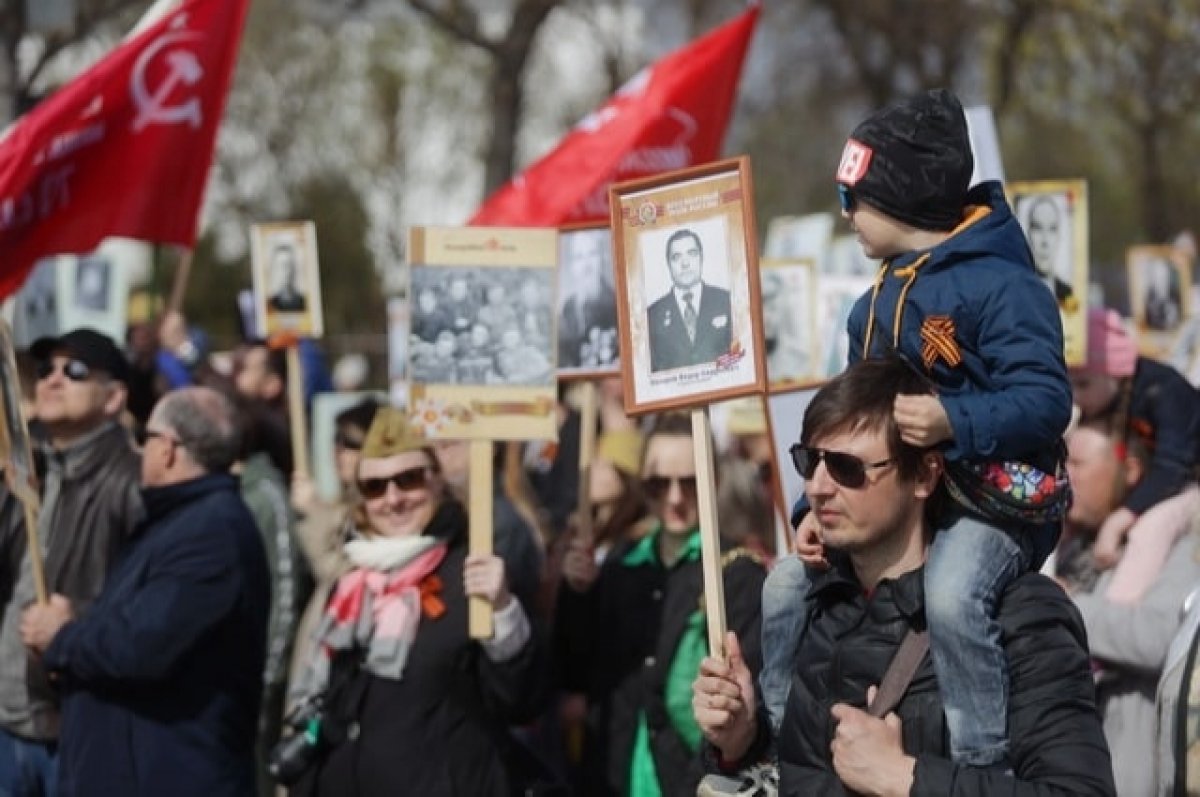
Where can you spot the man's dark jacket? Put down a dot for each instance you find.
(1057, 744)
(162, 679)
(669, 343)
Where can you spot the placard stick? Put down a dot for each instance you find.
(587, 452)
(710, 539)
(479, 622)
(179, 286)
(296, 416)
(33, 545)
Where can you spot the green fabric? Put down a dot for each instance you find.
(646, 551)
(684, 667)
(643, 777)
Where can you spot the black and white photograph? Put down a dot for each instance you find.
(799, 237)
(690, 322)
(37, 314)
(15, 453)
(93, 275)
(481, 326)
(587, 304)
(286, 278)
(788, 302)
(835, 299)
(1159, 283)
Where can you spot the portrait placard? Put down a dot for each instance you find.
(789, 303)
(482, 344)
(16, 453)
(1160, 291)
(587, 304)
(836, 296)
(325, 409)
(846, 258)
(1054, 216)
(785, 416)
(687, 284)
(799, 237)
(286, 278)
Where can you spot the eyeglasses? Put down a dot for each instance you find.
(657, 487)
(846, 469)
(846, 198)
(75, 370)
(170, 438)
(411, 479)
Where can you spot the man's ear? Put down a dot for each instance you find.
(932, 466)
(1134, 469)
(114, 402)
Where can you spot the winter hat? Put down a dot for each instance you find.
(1111, 350)
(913, 161)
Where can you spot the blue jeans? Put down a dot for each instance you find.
(27, 769)
(784, 617)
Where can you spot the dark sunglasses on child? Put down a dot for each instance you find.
(846, 198)
(411, 479)
(74, 370)
(845, 469)
(657, 487)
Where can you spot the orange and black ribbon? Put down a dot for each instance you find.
(937, 334)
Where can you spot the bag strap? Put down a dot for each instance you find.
(900, 673)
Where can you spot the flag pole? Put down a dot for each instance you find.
(179, 284)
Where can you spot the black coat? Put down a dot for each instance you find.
(1164, 409)
(669, 344)
(1057, 744)
(616, 643)
(441, 729)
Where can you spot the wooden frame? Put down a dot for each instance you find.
(286, 279)
(1054, 216)
(588, 341)
(702, 218)
(789, 301)
(481, 365)
(1160, 288)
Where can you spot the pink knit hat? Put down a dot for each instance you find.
(1111, 350)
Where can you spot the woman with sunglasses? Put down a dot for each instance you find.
(409, 703)
(632, 640)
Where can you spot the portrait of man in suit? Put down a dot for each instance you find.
(1048, 229)
(285, 267)
(691, 324)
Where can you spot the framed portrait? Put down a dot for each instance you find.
(587, 304)
(481, 344)
(36, 313)
(785, 417)
(846, 259)
(1160, 290)
(15, 446)
(836, 296)
(799, 237)
(94, 288)
(687, 285)
(1054, 216)
(325, 409)
(789, 303)
(286, 278)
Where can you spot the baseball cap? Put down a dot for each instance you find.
(94, 349)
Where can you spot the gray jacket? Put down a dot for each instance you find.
(1130, 641)
(90, 506)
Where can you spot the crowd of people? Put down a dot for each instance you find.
(213, 626)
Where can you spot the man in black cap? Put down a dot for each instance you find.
(90, 505)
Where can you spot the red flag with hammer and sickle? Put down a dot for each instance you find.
(125, 148)
(670, 115)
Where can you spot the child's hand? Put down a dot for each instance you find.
(922, 420)
(809, 545)
(1107, 550)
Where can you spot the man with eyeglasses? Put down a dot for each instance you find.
(873, 494)
(90, 506)
(162, 678)
(692, 324)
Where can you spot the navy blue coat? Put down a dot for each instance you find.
(162, 678)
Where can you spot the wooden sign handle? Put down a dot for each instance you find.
(35, 551)
(710, 536)
(587, 452)
(296, 415)
(479, 619)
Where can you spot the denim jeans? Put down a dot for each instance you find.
(27, 769)
(784, 617)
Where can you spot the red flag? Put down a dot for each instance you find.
(670, 115)
(125, 148)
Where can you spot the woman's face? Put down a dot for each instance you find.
(400, 493)
(669, 479)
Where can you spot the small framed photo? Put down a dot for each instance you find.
(789, 321)
(15, 446)
(1054, 216)
(587, 304)
(846, 259)
(785, 417)
(836, 296)
(286, 278)
(481, 345)
(687, 286)
(1159, 288)
(799, 237)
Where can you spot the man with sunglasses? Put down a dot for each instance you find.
(90, 506)
(875, 494)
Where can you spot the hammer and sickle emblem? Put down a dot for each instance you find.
(183, 68)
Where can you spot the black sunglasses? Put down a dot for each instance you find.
(657, 487)
(845, 469)
(845, 198)
(411, 479)
(75, 370)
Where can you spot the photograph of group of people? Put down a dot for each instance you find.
(482, 325)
